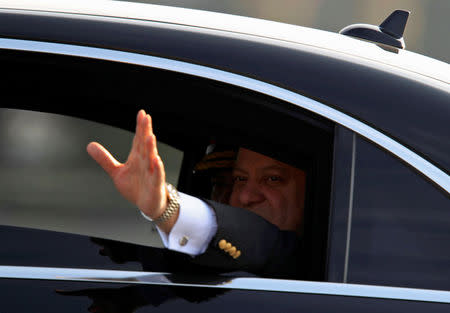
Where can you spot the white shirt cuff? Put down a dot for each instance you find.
(194, 229)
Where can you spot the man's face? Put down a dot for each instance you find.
(269, 188)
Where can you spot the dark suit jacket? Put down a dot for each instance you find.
(265, 249)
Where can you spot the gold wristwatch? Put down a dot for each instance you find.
(173, 205)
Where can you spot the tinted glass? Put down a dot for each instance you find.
(400, 228)
(49, 182)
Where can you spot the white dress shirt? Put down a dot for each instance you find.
(194, 229)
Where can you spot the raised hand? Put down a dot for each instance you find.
(141, 179)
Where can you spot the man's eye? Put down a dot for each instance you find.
(239, 178)
(274, 179)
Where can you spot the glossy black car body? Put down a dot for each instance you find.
(368, 123)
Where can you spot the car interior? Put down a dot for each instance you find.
(188, 113)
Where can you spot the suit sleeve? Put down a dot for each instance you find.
(265, 249)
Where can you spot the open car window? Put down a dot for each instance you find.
(60, 189)
(49, 182)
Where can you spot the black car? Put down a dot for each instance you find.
(368, 120)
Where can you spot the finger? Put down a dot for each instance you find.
(149, 132)
(158, 172)
(138, 133)
(150, 123)
(145, 134)
(140, 115)
(103, 157)
(149, 151)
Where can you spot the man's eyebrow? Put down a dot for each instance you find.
(238, 169)
(267, 168)
(275, 167)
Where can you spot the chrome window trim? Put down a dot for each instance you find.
(431, 171)
(240, 283)
(350, 208)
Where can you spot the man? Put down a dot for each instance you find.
(269, 188)
(217, 235)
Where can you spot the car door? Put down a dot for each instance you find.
(397, 221)
(62, 220)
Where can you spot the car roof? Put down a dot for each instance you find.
(403, 59)
(403, 94)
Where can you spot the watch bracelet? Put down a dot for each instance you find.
(173, 204)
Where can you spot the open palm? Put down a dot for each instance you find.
(141, 179)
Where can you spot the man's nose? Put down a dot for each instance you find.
(251, 194)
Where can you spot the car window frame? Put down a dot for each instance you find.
(341, 205)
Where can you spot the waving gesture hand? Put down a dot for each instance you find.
(141, 179)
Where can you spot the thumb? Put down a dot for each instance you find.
(103, 157)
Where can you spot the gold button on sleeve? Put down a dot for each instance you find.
(232, 250)
(237, 254)
(228, 246)
(222, 244)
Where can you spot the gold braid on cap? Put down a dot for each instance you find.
(216, 160)
(214, 165)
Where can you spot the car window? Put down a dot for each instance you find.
(49, 182)
(399, 226)
(85, 100)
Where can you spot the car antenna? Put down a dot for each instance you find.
(389, 33)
